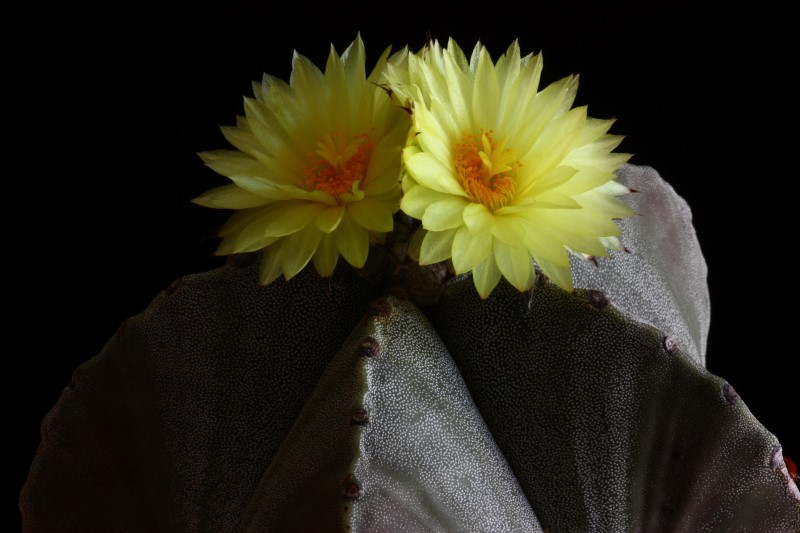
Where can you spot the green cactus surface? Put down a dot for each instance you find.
(327, 405)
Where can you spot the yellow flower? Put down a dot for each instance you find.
(317, 169)
(501, 174)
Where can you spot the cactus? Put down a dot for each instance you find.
(321, 404)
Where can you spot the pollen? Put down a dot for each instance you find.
(338, 164)
(487, 170)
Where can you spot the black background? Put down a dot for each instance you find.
(109, 109)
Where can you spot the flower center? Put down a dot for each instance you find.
(487, 170)
(338, 165)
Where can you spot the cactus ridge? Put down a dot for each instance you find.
(615, 411)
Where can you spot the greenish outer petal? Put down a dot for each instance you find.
(271, 268)
(607, 425)
(418, 198)
(430, 172)
(469, 250)
(445, 214)
(230, 197)
(515, 264)
(171, 427)
(372, 214)
(436, 246)
(478, 218)
(486, 276)
(329, 220)
(662, 282)
(287, 218)
(423, 462)
(352, 241)
(326, 256)
(297, 249)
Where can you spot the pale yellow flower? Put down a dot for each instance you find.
(317, 169)
(502, 174)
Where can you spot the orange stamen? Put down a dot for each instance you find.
(486, 170)
(338, 165)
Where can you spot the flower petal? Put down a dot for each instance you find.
(248, 239)
(384, 171)
(478, 218)
(486, 276)
(577, 221)
(445, 214)
(326, 256)
(230, 197)
(436, 246)
(270, 268)
(243, 139)
(352, 240)
(354, 60)
(441, 125)
(469, 249)
(430, 172)
(372, 214)
(515, 264)
(586, 180)
(242, 218)
(309, 88)
(551, 179)
(508, 66)
(543, 107)
(417, 199)
(612, 243)
(561, 276)
(459, 88)
(555, 142)
(289, 217)
(510, 229)
(607, 205)
(297, 250)
(274, 140)
(486, 92)
(543, 245)
(415, 244)
(329, 220)
(230, 163)
(432, 144)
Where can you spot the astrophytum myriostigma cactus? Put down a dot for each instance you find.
(328, 405)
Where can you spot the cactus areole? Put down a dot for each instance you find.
(487, 356)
